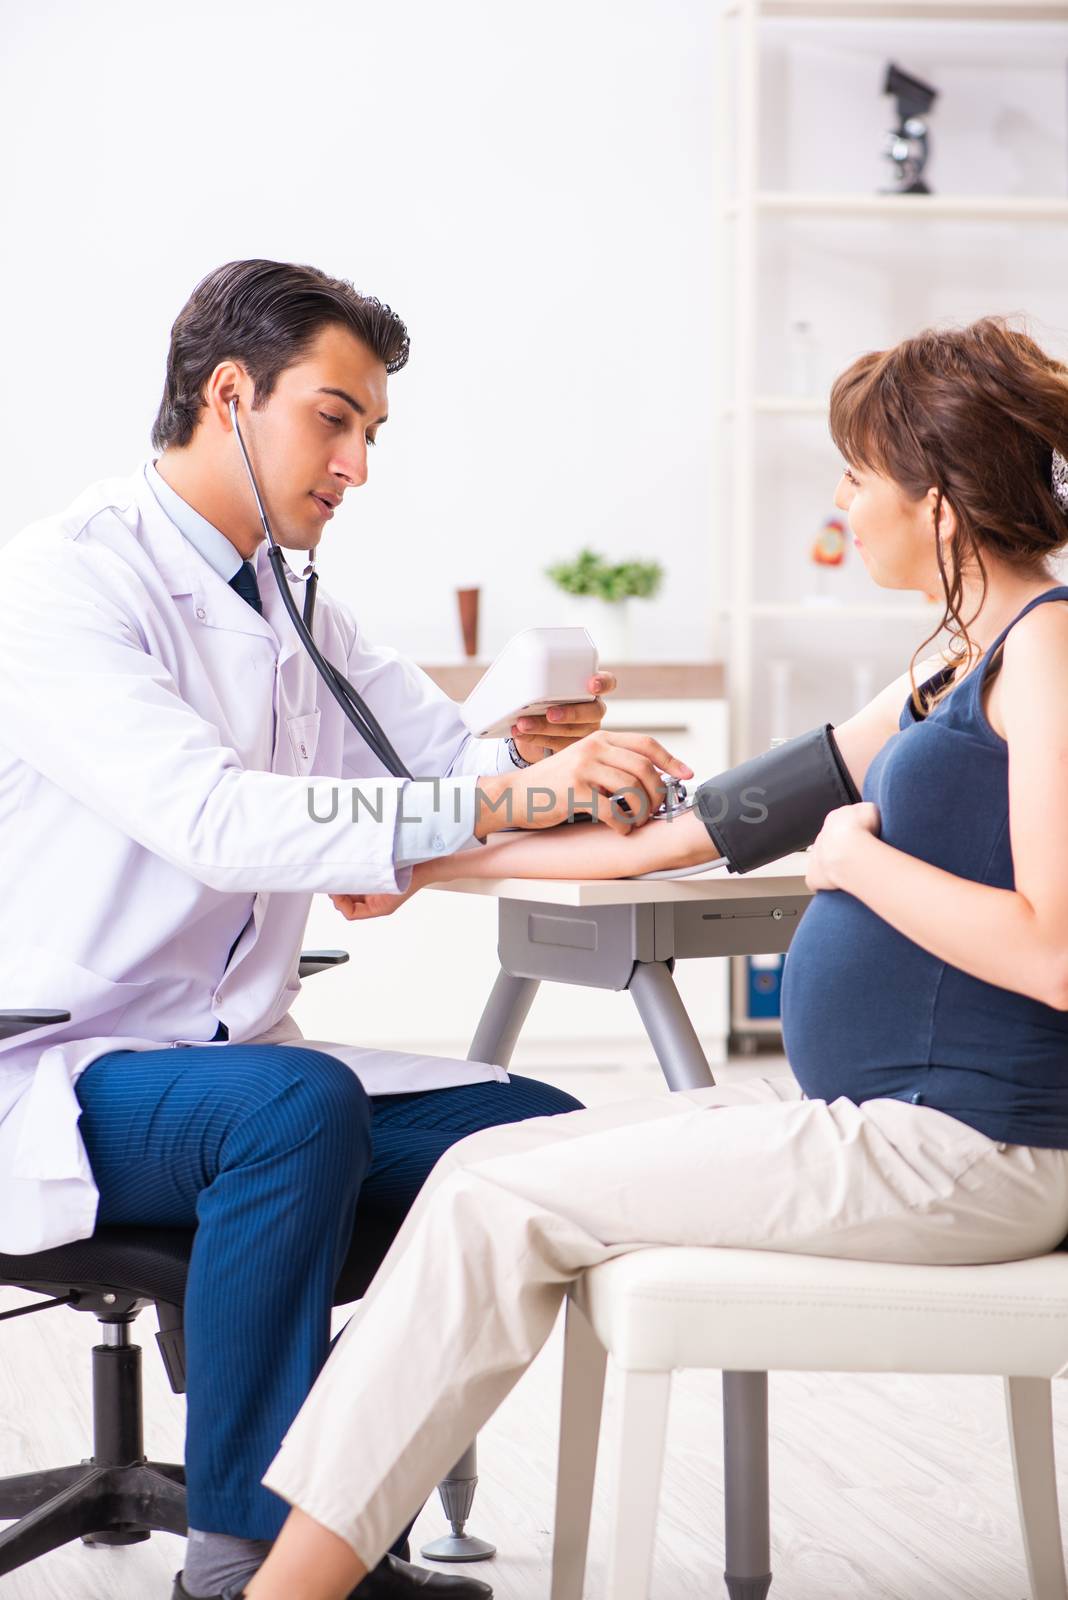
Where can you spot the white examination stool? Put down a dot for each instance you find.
(754, 1311)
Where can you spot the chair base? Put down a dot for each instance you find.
(457, 1493)
(102, 1505)
(458, 1547)
(747, 1588)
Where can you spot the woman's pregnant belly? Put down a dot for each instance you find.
(857, 1002)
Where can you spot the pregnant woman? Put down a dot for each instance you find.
(925, 1000)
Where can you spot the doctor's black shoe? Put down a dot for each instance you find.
(394, 1579)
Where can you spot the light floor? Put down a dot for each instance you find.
(893, 1488)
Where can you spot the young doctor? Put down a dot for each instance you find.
(164, 743)
(925, 1000)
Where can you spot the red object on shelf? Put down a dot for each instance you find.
(829, 545)
(467, 599)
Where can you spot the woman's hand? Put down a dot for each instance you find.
(843, 829)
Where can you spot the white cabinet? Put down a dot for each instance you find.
(419, 979)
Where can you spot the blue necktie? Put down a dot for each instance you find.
(244, 583)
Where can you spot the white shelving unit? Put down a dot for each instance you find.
(784, 405)
(836, 612)
(912, 10)
(916, 207)
(749, 409)
(744, 207)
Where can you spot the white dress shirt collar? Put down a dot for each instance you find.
(214, 546)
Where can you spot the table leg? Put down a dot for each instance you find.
(495, 1037)
(667, 1022)
(502, 1019)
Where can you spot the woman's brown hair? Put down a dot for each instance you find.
(974, 413)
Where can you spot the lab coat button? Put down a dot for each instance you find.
(438, 842)
(201, 613)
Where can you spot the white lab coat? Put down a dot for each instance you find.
(159, 742)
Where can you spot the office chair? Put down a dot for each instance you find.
(118, 1497)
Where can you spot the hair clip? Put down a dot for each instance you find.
(1060, 480)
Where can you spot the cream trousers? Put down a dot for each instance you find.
(510, 1216)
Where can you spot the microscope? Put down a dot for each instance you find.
(908, 147)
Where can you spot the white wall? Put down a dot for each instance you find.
(531, 186)
(527, 185)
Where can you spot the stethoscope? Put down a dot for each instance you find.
(350, 700)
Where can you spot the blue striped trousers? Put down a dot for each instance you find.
(271, 1152)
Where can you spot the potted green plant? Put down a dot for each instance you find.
(601, 593)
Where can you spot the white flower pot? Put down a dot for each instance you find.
(606, 621)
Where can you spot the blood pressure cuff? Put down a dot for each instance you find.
(776, 803)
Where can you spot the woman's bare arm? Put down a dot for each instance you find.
(579, 850)
(585, 850)
(591, 850)
(572, 850)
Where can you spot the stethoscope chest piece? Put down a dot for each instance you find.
(676, 800)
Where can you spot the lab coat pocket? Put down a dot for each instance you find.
(42, 977)
(304, 739)
(48, 1146)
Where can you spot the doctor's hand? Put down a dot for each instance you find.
(536, 737)
(844, 830)
(362, 907)
(581, 779)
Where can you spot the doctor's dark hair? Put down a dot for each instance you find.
(264, 314)
(974, 413)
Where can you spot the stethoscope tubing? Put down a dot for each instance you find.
(353, 705)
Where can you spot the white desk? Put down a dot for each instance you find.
(628, 934)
